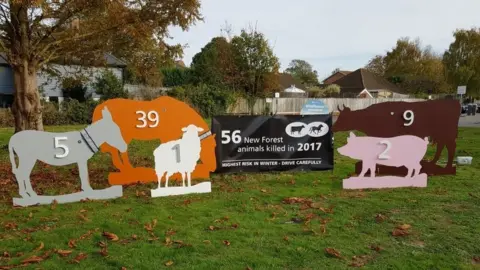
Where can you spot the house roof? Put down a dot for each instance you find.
(110, 60)
(286, 80)
(343, 72)
(360, 79)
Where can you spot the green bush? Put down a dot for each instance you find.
(208, 100)
(76, 112)
(108, 86)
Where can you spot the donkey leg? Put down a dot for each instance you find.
(83, 172)
(23, 177)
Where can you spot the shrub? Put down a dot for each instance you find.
(176, 76)
(52, 116)
(108, 86)
(6, 118)
(76, 112)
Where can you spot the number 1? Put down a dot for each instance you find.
(177, 152)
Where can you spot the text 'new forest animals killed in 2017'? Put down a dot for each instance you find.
(436, 119)
(160, 119)
(60, 149)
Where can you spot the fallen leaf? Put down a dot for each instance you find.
(212, 228)
(263, 190)
(207, 241)
(170, 232)
(102, 244)
(134, 237)
(285, 238)
(168, 241)
(168, 263)
(33, 259)
(227, 243)
(476, 260)
(6, 254)
(404, 227)
(292, 182)
(30, 215)
(104, 251)
(377, 248)
(398, 232)
(11, 226)
(379, 218)
(82, 217)
(235, 226)
(359, 261)
(83, 211)
(187, 202)
(79, 257)
(333, 252)
(170, 217)
(72, 244)
(40, 247)
(54, 205)
(110, 236)
(63, 253)
(123, 268)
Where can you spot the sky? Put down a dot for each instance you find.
(332, 34)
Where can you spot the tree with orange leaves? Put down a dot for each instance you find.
(35, 33)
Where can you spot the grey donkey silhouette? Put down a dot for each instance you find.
(60, 149)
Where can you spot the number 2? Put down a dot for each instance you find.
(177, 152)
(383, 155)
(64, 147)
(152, 116)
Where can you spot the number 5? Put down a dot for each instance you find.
(64, 147)
(383, 155)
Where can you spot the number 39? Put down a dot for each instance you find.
(152, 116)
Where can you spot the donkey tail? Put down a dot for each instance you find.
(12, 157)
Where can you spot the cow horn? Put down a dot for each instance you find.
(338, 107)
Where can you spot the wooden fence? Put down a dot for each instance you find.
(294, 105)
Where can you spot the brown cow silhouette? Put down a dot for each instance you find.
(437, 119)
(173, 115)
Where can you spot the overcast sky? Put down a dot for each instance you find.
(333, 33)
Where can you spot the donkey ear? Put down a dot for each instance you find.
(106, 113)
(352, 135)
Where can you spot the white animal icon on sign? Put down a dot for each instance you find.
(179, 156)
(299, 129)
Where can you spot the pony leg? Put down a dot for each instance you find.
(23, 177)
(83, 172)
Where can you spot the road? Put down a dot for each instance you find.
(469, 121)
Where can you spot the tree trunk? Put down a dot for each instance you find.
(26, 108)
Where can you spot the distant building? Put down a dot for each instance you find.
(336, 76)
(52, 85)
(362, 83)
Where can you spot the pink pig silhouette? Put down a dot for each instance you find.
(405, 150)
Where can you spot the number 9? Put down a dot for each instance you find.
(153, 117)
(408, 116)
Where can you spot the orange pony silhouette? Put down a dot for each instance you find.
(163, 119)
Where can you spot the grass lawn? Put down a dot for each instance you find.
(244, 223)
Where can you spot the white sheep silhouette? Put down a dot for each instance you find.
(178, 156)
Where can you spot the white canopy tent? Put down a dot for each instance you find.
(293, 89)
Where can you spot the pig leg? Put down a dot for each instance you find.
(365, 168)
(417, 170)
(372, 170)
(410, 172)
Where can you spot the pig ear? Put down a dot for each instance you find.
(352, 135)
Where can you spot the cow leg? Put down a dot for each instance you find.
(440, 146)
(451, 154)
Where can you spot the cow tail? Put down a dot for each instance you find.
(12, 157)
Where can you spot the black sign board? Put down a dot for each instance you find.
(273, 143)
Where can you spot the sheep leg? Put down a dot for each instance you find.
(189, 178)
(169, 174)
